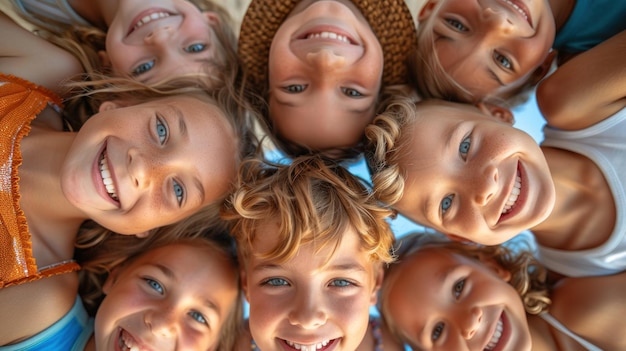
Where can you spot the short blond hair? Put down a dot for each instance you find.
(315, 200)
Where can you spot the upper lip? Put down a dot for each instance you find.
(520, 7)
(491, 330)
(507, 192)
(140, 16)
(315, 28)
(104, 155)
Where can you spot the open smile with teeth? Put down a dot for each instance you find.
(329, 35)
(126, 342)
(106, 177)
(510, 202)
(518, 9)
(495, 338)
(311, 347)
(149, 18)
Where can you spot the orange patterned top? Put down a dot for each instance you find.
(20, 102)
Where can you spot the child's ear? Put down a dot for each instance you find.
(496, 111)
(212, 17)
(379, 275)
(104, 59)
(541, 71)
(143, 234)
(495, 267)
(427, 10)
(108, 105)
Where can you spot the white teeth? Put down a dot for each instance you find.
(510, 203)
(150, 18)
(495, 337)
(519, 9)
(126, 344)
(311, 347)
(106, 178)
(329, 35)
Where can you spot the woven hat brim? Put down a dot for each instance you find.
(390, 20)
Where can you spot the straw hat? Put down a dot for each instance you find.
(390, 21)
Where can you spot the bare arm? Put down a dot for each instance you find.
(28, 56)
(586, 89)
(594, 308)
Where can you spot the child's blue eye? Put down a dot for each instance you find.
(464, 147)
(456, 25)
(179, 192)
(351, 92)
(341, 283)
(143, 68)
(295, 88)
(276, 282)
(198, 317)
(446, 203)
(437, 331)
(457, 289)
(503, 61)
(156, 286)
(161, 131)
(195, 48)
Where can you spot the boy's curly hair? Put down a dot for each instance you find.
(314, 200)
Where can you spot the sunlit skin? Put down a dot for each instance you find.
(490, 47)
(312, 299)
(322, 91)
(180, 43)
(461, 165)
(172, 157)
(438, 300)
(175, 297)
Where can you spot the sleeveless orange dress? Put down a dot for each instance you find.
(20, 102)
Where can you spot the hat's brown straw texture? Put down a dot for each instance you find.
(390, 21)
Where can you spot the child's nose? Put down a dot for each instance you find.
(307, 313)
(159, 36)
(325, 59)
(484, 184)
(497, 21)
(471, 323)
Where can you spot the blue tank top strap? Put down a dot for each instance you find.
(70, 333)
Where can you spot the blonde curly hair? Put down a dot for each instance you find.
(314, 199)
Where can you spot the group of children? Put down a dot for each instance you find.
(139, 209)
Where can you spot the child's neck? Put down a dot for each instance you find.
(42, 199)
(584, 212)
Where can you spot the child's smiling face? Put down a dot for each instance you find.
(155, 40)
(469, 174)
(132, 169)
(315, 299)
(439, 300)
(176, 297)
(491, 47)
(325, 73)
